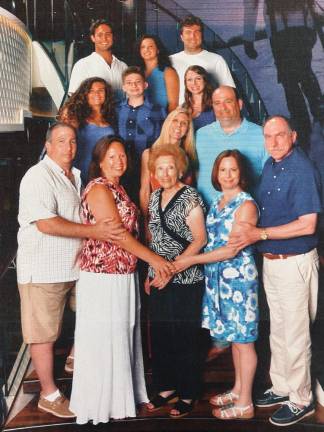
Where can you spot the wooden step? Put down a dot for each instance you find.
(200, 420)
(219, 370)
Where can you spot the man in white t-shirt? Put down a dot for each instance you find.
(191, 34)
(101, 63)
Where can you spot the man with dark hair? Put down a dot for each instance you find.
(49, 240)
(229, 131)
(101, 63)
(289, 202)
(191, 34)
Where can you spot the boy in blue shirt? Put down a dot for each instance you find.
(139, 123)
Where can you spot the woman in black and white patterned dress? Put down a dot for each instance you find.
(177, 227)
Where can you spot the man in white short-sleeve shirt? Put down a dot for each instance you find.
(49, 240)
(101, 63)
(191, 34)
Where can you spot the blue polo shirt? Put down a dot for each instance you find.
(212, 140)
(288, 189)
(139, 126)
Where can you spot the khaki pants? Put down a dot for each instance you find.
(291, 287)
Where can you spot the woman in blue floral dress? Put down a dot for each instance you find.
(230, 305)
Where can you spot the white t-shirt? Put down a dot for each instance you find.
(214, 64)
(45, 192)
(95, 66)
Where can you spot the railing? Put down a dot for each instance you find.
(163, 17)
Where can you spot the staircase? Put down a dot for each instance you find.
(218, 376)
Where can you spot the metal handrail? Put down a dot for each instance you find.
(255, 109)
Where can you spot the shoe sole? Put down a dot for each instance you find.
(270, 404)
(244, 417)
(171, 401)
(293, 422)
(180, 415)
(68, 370)
(54, 413)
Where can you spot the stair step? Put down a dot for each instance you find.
(219, 370)
(201, 420)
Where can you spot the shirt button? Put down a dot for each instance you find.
(130, 134)
(269, 192)
(282, 168)
(274, 176)
(278, 189)
(262, 208)
(146, 118)
(130, 121)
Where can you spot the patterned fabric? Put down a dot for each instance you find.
(174, 217)
(46, 192)
(230, 304)
(104, 256)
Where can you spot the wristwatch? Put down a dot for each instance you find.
(264, 235)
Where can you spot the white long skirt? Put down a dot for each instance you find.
(108, 378)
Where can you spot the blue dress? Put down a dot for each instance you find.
(230, 304)
(87, 137)
(204, 118)
(156, 90)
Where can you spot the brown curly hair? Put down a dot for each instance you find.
(78, 103)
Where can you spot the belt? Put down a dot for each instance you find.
(278, 256)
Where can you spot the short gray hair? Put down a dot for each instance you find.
(57, 125)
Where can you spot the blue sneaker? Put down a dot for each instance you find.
(269, 399)
(290, 413)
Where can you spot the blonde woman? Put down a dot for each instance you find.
(177, 130)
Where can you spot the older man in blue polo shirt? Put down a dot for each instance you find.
(289, 201)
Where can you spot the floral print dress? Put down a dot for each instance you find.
(230, 304)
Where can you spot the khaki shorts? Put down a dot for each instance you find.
(42, 307)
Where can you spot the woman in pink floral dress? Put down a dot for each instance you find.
(108, 379)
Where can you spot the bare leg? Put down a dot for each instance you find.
(247, 362)
(236, 360)
(43, 360)
(72, 352)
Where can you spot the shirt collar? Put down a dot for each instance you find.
(285, 160)
(114, 59)
(48, 161)
(242, 128)
(146, 103)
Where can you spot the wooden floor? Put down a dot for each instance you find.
(216, 378)
(199, 421)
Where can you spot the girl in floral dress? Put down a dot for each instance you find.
(230, 306)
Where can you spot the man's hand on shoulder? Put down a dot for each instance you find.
(243, 235)
(108, 230)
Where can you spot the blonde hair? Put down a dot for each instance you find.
(187, 142)
(178, 154)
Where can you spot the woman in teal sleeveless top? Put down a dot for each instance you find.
(162, 79)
